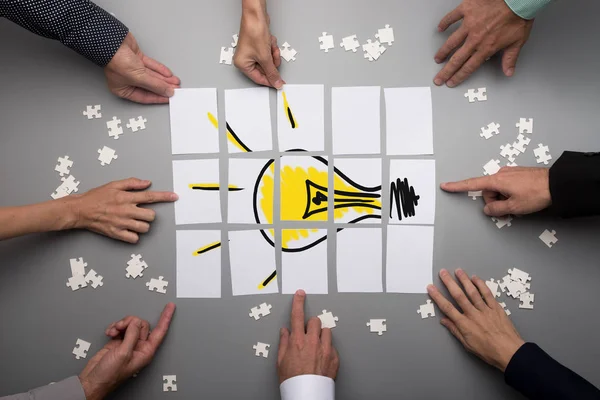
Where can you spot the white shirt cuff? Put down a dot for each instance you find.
(308, 387)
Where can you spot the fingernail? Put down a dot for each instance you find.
(170, 92)
(300, 292)
(450, 84)
(278, 84)
(486, 210)
(280, 331)
(437, 60)
(510, 72)
(430, 288)
(459, 271)
(443, 271)
(174, 197)
(438, 81)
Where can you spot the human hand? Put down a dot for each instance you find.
(131, 348)
(257, 54)
(305, 352)
(513, 190)
(488, 26)
(134, 76)
(483, 327)
(112, 210)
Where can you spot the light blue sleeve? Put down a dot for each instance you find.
(69, 389)
(527, 9)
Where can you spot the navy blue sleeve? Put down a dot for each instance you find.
(78, 24)
(538, 376)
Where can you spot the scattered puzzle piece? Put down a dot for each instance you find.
(373, 50)
(68, 186)
(326, 42)
(158, 285)
(515, 288)
(386, 35)
(479, 95)
(489, 131)
(236, 38)
(93, 111)
(501, 222)
(77, 266)
(474, 195)
(526, 301)
(509, 152)
(506, 310)
(114, 128)
(494, 287)
(76, 282)
(328, 320)
(549, 238)
(492, 167)
(81, 349)
(261, 311)
(261, 349)
(521, 143)
(525, 125)
(504, 283)
(350, 43)
(542, 154)
(426, 310)
(169, 383)
(137, 124)
(519, 276)
(226, 56)
(64, 166)
(106, 155)
(94, 279)
(135, 266)
(287, 53)
(377, 325)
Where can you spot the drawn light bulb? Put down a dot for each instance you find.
(304, 194)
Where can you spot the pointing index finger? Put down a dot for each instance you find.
(297, 319)
(154, 197)
(160, 331)
(469, 185)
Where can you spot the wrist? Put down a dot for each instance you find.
(91, 391)
(507, 354)
(72, 212)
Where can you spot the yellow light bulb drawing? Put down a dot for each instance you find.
(304, 196)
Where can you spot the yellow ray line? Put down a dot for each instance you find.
(288, 111)
(206, 248)
(213, 120)
(234, 141)
(266, 282)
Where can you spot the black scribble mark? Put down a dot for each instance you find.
(404, 198)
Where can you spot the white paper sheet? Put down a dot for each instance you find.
(355, 117)
(306, 269)
(248, 115)
(196, 206)
(198, 264)
(357, 179)
(247, 181)
(297, 203)
(193, 131)
(409, 121)
(252, 261)
(304, 109)
(359, 260)
(409, 259)
(420, 176)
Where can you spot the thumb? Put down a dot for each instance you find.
(271, 73)
(498, 208)
(284, 338)
(509, 59)
(155, 85)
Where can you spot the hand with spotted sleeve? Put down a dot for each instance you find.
(134, 76)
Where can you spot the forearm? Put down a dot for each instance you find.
(538, 376)
(69, 389)
(49, 216)
(254, 6)
(78, 24)
(527, 9)
(575, 184)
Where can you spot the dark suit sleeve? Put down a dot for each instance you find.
(536, 375)
(78, 24)
(575, 185)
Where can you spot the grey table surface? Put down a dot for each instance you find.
(45, 87)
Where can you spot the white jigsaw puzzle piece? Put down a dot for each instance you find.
(494, 287)
(426, 310)
(326, 42)
(377, 325)
(328, 320)
(94, 279)
(386, 35)
(475, 194)
(77, 266)
(262, 310)
(226, 56)
(81, 348)
(350, 43)
(106, 155)
(476, 95)
(114, 128)
(501, 222)
(491, 167)
(522, 143)
(64, 166)
(489, 131)
(137, 124)
(169, 383)
(261, 349)
(506, 310)
(549, 238)
(518, 275)
(526, 301)
(542, 154)
(236, 38)
(93, 111)
(158, 285)
(525, 125)
(135, 266)
(509, 152)
(287, 53)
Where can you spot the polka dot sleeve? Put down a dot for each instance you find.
(78, 24)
